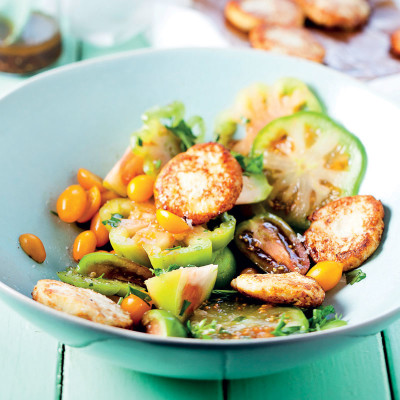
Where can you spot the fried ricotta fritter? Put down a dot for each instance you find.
(343, 14)
(291, 288)
(347, 230)
(83, 303)
(247, 14)
(199, 184)
(292, 41)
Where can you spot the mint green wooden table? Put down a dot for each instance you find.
(34, 366)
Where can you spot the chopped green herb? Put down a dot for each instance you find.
(120, 301)
(224, 294)
(142, 295)
(355, 276)
(282, 330)
(217, 138)
(250, 165)
(239, 319)
(157, 164)
(101, 276)
(174, 248)
(244, 120)
(185, 306)
(202, 330)
(320, 317)
(114, 221)
(54, 213)
(140, 141)
(160, 271)
(90, 284)
(184, 132)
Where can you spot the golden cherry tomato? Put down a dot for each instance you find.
(85, 243)
(108, 195)
(171, 222)
(33, 246)
(72, 203)
(101, 232)
(88, 179)
(140, 188)
(135, 306)
(326, 273)
(93, 204)
(131, 166)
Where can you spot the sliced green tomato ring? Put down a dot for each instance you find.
(163, 323)
(226, 262)
(108, 287)
(310, 161)
(255, 189)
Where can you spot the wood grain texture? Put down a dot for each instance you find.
(392, 344)
(356, 373)
(28, 359)
(89, 378)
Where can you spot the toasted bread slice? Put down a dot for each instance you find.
(292, 41)
(395, 43)
(291, 288)
(199, 184)
(347, 230)
(342, 14)
(84, 303)
(247, 14)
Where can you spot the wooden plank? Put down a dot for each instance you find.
(357, 373)
(29, 359)
(89, 378)
(392, 345)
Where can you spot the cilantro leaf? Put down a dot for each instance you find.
(174, 248)
(202, 330)
(142, 295)
(321, 316)
(355, 276)
(250, 165)
(114, 221)
(184, 132)
(282, 330)
(160, 271)
(101, 276)
(185, 306)
(54, 213)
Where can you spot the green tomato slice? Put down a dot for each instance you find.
(310, 161)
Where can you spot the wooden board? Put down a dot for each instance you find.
(392, 347)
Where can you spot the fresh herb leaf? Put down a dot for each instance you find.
(184, 132)
(160, 271)
(140, 141)
(185, 306)
(114, 221)
(142, 295)
(157, 164)
(321, 316)
(54, 213)
(174, 248)
(120, 301)
(224, 294)
(240, 318)
(101, 276)
(90, 284)
(250, 165)
(202, 330)
(355, 276)
(282, 330)
(244, 120)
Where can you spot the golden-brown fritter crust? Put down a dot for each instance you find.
(199, 184)
(343, 14)
(247, 14)
(395, 43)
(296, 42)
(347, 230)
(83, 303)
(291, 288)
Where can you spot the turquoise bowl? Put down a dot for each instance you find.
(82, 115)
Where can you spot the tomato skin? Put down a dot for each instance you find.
(84, 243)
(171, 222)
(108, 195)
(101, 232)
(93, 204)
(326, 273)
(131, 166)
(72, 203)
(141, 188)
(88, 179)
(33, 247)
(136, 307)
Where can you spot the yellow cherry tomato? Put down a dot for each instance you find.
(171, 222)
(101, 232)
(85, 243)
(140, 188)
(88, 179)
(135, 306)
(72, 203)
(93, 204)
(108, 195)
(33, 247)
(326, 273)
